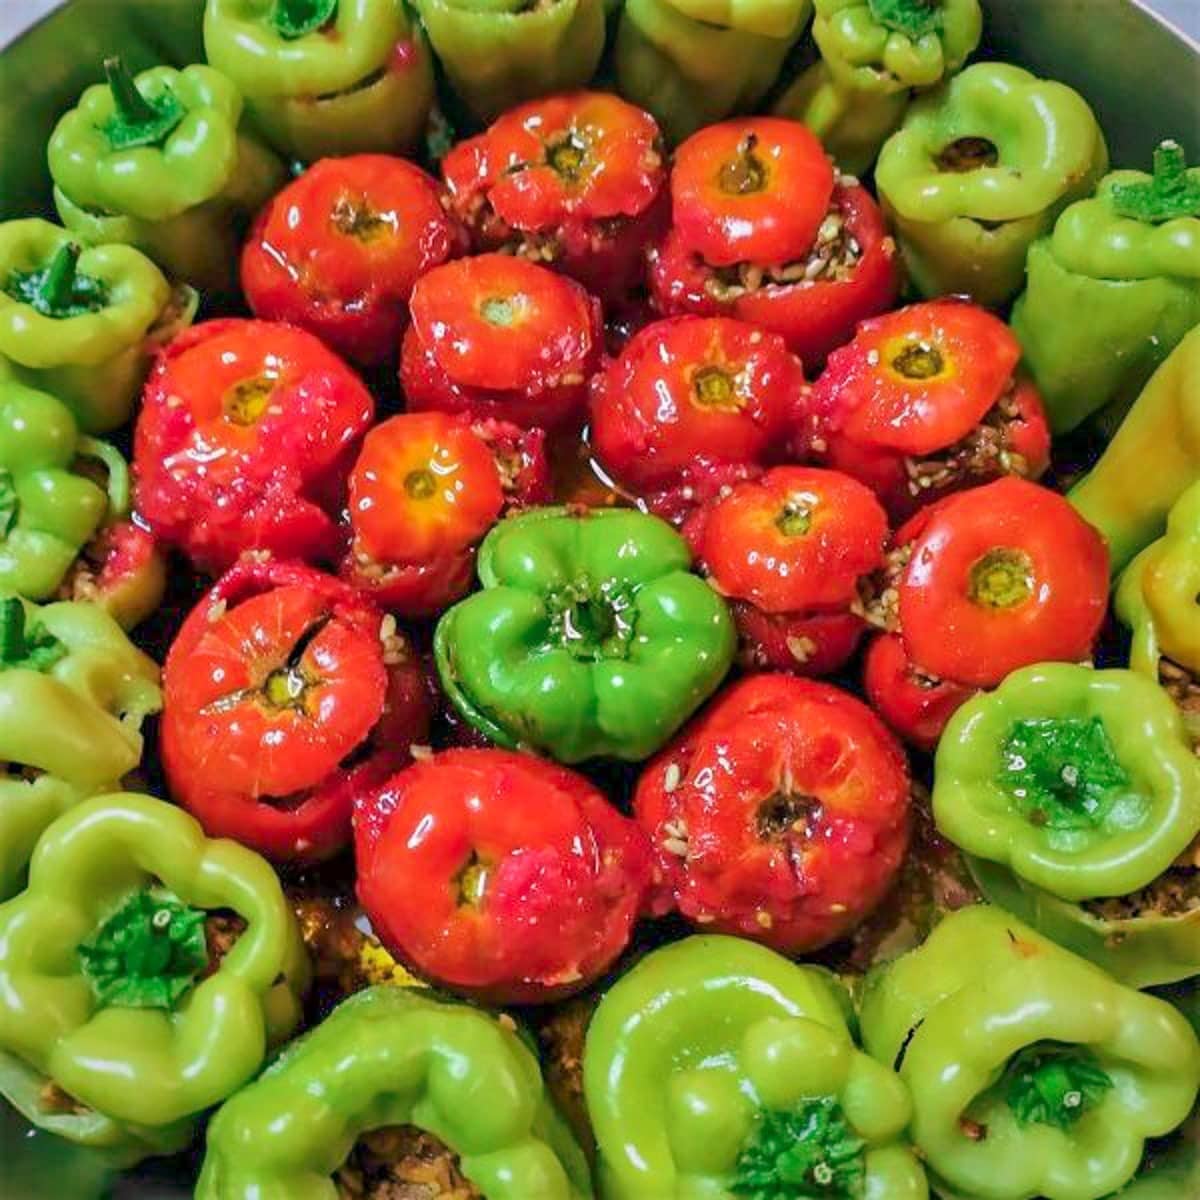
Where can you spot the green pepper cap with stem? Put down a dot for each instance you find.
(294, 19)
(59, 289)
(138, 120)
(1054, 1084)
(1171, 193)
(912, 18)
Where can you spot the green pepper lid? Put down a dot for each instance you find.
(59, 290)
(912, 18)
(1171, 193)
(138, 120)
(34, 648)
(148, 953)
(294, 19)
(1054, 1085)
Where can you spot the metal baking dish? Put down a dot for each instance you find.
(1141, 76)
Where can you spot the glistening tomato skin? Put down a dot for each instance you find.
(813, 316)
(277, 677)
(577, 181)
(789, 549)
(245, 438)
(780, 814)
(499, 875)
(502, 338)
(424, 491)
(690, 389)
(916, 706)
(925, 401)
(338, 250)
(1000, 577)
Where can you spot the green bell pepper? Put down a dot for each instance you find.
(689, 71)
(157, 163)
(1143, 940)
(394, 1056)
(1156, 599)
(1152, 459)
(1082, 782)
(590, 636)
(497, 53)
(1126, 265)
(325, 77)
(109, 985)
(875, 54)
(74, 692)
(979, 169)
(1174, 1175)
(718, 1068)
(83, 324)
(1032, 1073)
(48, 512)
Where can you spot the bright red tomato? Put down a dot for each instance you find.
(916, 705)
(692, 388)
(424, 491)
(278, 677)
(244, 441)
(754, 189)
(338, 250)
(500, 875)
(497, 336)
(576, 181)
(813, 301)
(780, 814)
(1000, 577)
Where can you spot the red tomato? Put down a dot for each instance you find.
(497, 336)
(754, 189)
(338, 250)
(682, 502)
(814, 301)
(500, 875)
(780, 814)
(575, 181)
(692, 388)
(122, 570)
(917, 706)
(1000, 577)
(245, 437)
(808, 643)
(278, 677)
(425, 489)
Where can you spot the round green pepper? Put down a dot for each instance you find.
(979, 169)
(1032, 1073)
(82, 324)
(590, 636)
(395, 1056)
(1082, 782)
(717, 1068)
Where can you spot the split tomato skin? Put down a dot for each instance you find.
(780, 814)
(499, 875)
(425, 489)
(338, 250)
(918, 707)
(788, 550)
(277, 677)
(576, 181)
(692, 389)
(814, 300)
(245, 438)
(925, 401)
(1000, 577)
(497, 337)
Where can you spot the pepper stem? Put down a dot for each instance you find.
(912, 18)
(1171, 192)
(57, 286)
(133, 107)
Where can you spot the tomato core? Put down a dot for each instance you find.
(355, 217)
(501, 311)
(472, 881)
(795, 517)
(246, 401)
(568, 156)
(420, 484)
(919, 360)
(744, 174)
(785, 812)
(1002, 578)
(715, 388)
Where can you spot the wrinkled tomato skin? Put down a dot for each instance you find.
(590, 217)
(953, 630)
(246, 435)
(813, 318)
(792, 590)
(683, 503)
(651, 417)
(338, 250)
(559, 876)
(780, 814)
(917, 707)
(529, 365)
(265, 766)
